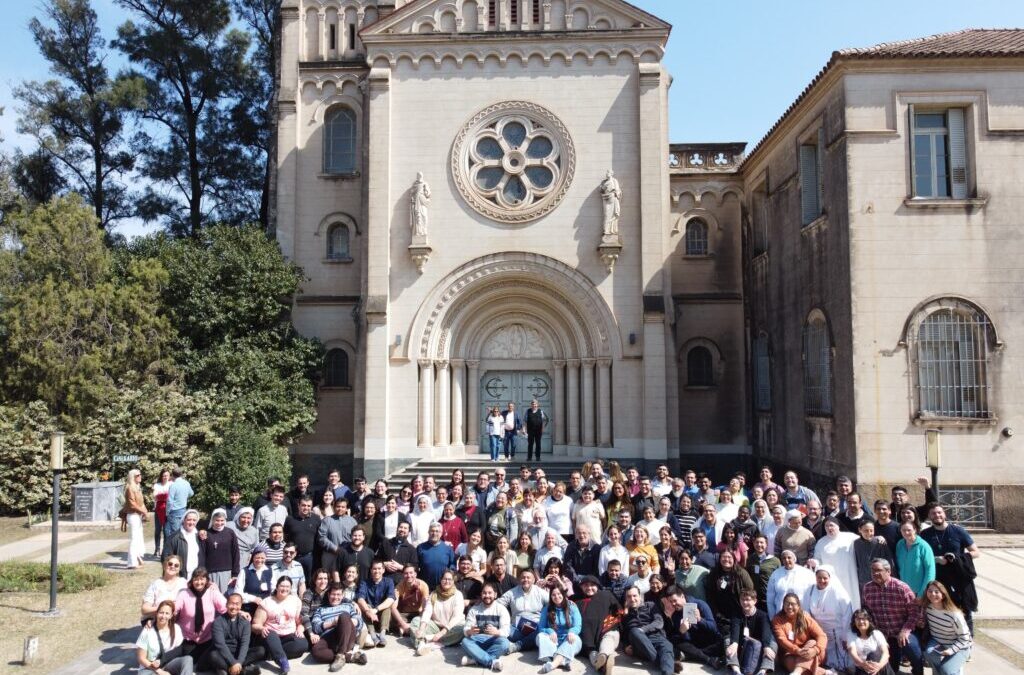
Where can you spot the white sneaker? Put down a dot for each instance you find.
(496, 665)
(466, 661)
(547, 667)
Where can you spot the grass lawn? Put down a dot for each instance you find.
(14, 528)
(89, 620)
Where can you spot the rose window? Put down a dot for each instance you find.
(513, 162)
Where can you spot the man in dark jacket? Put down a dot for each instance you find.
(644, 628)
(301, 529)
(581, 557)
(696, 638)
(397, 552)
(614, 580)
(601, 616)
(750, 645)
(231, 637)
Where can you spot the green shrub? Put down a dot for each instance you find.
(245, 457)
(20, 577)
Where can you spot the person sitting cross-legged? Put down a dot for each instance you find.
(486, 631)
(233, 650)
(375, 598)
(337, 623)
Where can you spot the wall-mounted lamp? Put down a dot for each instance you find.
(1008, 432)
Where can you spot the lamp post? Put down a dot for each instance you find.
(933, 457)
(56, 465)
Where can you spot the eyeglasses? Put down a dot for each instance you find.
(173, 565)
(641, 562)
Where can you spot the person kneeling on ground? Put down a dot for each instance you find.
(277, 622)
(232, 633)
(486, 631)
(336, 625)
(558, 640)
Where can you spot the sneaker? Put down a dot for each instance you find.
(547, 667)
(567, 666)
(285, 666)
(598, 660)
(359, 658)
(337, 664)
(497, 665)
(466, 661)
(679, 666)
(514, 647)
(381, 640)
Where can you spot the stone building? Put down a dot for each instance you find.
(486, 203)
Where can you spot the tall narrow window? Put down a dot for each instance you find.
(939, 153)
(492, 13)
(338, 242)
(334, 37)
(340, 141)
(696, 237)
(513, 12)
(336, 368)
(952, 364)
(812, 192)
(352, 36)
(759, 221)
(762, 374)
(536, 12)
(700, 368)
(817, 359)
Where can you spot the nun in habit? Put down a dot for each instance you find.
(835, 549)
(830, 605)
(789, 578)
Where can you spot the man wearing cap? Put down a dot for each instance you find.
(600, 635)
(793, 536)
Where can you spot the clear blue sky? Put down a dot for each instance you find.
(737, 64)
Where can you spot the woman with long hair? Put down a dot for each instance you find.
(441, 623)
(458, 478)
(277, 623)
(350, 582)
(503, 550)
(641, 546)
(372, 524)
(731, 541)
(558, 639)
(314, 596)
(949, 638)
(613, 550)
(690, 577)
(620, 501)
(160, 490)
(615, 474)
(524, 553)
(196, 607)
(133, 514)
(867, 647)
(802, 642)
(324, 507)
(166, 587)
(554, 576)
(666, 546)
(158, 649)
(474, 550)
(724, 585)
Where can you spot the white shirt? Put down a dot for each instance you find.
(559, 514)
(149, 641)
(495, 425)
(510, 420)
(478, 556)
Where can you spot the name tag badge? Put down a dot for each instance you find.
(791, 636)
(746, 632)
(757, 569)
(722, 583)
(264, 586)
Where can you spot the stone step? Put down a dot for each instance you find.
(441, 469)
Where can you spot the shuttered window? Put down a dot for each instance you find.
(536, 12)
(939, 153)
(492, 13)
(817, 359)
(812, 188)
(762, 374)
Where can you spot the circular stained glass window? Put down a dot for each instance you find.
(513, 162)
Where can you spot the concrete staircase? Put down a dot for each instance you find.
(441, 469)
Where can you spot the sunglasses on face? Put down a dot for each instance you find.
(173, 565)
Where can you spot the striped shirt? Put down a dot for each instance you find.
(949, 629)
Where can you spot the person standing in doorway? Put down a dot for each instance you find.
(513, 425)
(495, 432)
(536, 420)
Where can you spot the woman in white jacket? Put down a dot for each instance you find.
(789, 578)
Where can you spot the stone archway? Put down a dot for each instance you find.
(546, 316)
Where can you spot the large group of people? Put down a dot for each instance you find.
(747, 577)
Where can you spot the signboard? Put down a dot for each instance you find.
(126, 459)
(83, 505)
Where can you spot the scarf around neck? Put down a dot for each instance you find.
(200, 618)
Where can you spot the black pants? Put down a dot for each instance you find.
(533, 441)
(281, 648)
(691, 652)
(214, 661)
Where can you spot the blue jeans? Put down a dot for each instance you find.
(495, 446)
(485, 649)
(173, 524)
(945, 665)
(654, 648)
(525, 641)
(510, 444)
(912, 652)
(547, 649)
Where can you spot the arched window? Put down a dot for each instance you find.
(340, 141)
(952, 351)
(817, 366)
(338, 242)
(336, 368)
(696, 237)
(699, 368)
(762, 374)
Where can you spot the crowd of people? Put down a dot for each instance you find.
(748, 577)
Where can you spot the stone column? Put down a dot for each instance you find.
(423, 435)
(558, 437)
(322, 34)
(458, 389)
(604, 397)
(473, 409)
(573, 418)
(587, 400)
(442, 404)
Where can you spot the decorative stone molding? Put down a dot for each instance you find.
(436, 54)
(610, 250)
(513, 162)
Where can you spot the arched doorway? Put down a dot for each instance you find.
(510, 327)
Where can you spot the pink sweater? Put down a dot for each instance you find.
(214, 603)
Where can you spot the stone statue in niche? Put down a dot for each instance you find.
(611, 193)
(419, 200)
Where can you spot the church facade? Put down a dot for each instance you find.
(484, 198)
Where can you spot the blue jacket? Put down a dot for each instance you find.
(562, 628)
(519, 420)
(374, 594)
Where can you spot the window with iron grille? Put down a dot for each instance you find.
(938, 153)
(968, 506)
(699, 368)
(812, 185)
(762, 374)
(696, 237)
(817, 359)
(952, 352)
(338, 242)
(340, 141)
(336, 368)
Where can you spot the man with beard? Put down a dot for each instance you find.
(302, 529)
(581, 556)
(335, 532)
(397, 552)
(524, 603)
(955, 553)
(645, 632)
(760, 566)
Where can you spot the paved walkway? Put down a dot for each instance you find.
(999, 650)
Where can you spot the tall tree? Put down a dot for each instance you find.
(9, 197)
(79, 117)
(256, 116)
(195, 66)
(37, 176)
